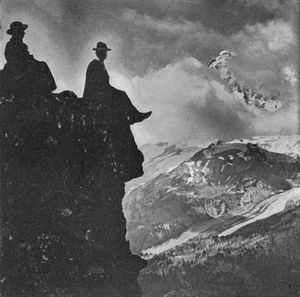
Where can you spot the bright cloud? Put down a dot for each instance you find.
(160, 52)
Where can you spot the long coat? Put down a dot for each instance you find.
(16, 52)
(97, 80)
(115, 114)
(98, 90)
(22, 75)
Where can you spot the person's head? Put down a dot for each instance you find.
(17, 29)
(101, 50)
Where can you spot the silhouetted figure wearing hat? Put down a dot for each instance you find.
(16, 51)
(23, 76)
(115, 114)
(97, 88)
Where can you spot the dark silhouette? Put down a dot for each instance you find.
(116, 113)
(64, 164)
(97, 88)
(16, 51)
(23, 75)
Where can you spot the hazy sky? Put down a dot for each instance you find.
(160, 53)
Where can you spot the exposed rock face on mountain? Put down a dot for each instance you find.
(222, 181)
(241, 91)
(63, 173)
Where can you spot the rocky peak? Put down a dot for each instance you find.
(239, 90)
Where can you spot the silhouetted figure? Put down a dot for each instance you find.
(115, 113)
(23, 77)
(97, 78)
(16, 51)
(98, 89)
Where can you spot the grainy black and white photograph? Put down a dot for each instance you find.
(149, 148)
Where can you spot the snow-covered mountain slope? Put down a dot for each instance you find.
(211, 191)
(163, 156)
(267, 208)
(239, 90)
(250, 249)
(160, 158)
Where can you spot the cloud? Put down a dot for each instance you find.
(49, 7)
(223, 16)
(188, 101)
(152, 42)
(159, 56)
(275, 36)
(161, 26)
(264, 53)
(282, 8)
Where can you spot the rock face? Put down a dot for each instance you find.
(64, 165)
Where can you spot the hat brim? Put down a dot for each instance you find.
(19, 28)
(101, 49)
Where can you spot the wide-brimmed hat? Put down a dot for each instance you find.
(16, 26)
(101, 46)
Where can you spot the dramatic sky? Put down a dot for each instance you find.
(160, 53)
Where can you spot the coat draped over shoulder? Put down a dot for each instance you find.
(115, 114)
(97, 80)
(22, 75)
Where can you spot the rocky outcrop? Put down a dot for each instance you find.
(64, 164)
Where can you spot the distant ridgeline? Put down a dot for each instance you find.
(64, 162)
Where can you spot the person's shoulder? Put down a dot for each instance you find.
(16, 43)
(10, 47)
(95, 64)
(9, 43)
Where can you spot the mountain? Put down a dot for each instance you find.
(239, 90)
(224, 181)
(161, 157)
(224, 222)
